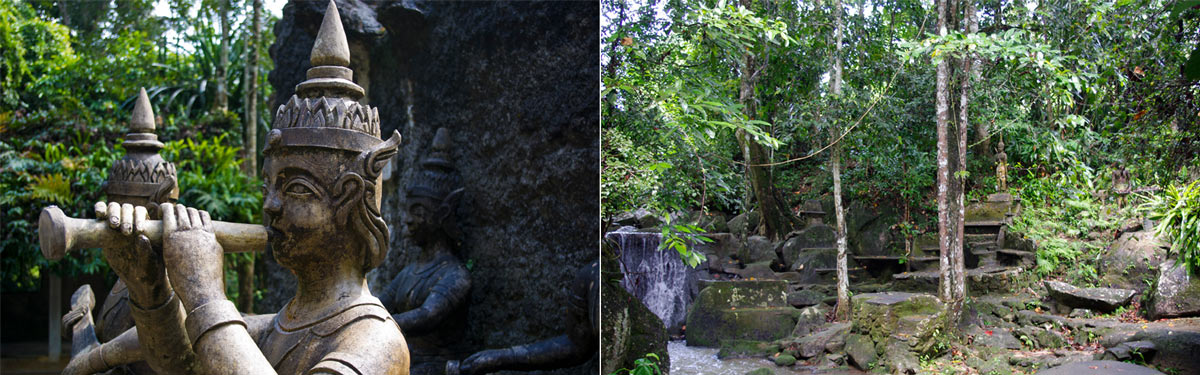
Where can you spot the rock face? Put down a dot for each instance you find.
(1131, 259)
(515, 83)
(908, 317)
(1098, 299)
(657, 278)
(862, 351)
(758, 249)
(740, 310)
(630, 331)
(798, 248)
(1176, 295)
(1099, 368)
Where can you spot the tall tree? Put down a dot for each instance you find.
(835, 167)
(250, 104)
(776, 220)
(952, 288)
(221, 102)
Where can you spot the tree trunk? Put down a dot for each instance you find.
(945, 231)
(835, 160)
(776, 219)
(250, 103)
(967, 74)
(221, 101)
(245, 275)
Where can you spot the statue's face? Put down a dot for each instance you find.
(298, 206)
(419, 222)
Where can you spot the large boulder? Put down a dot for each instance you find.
(1099, 368)
(869, 229)
(1176, 294)
(830, 338)
(862, 351)
(909, 317)
(630, 331)
(799, 247)
(1098, 299)
(740, 310)
(757, 249)
(1132, 259)
(745, 223)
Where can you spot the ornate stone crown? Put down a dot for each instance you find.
(142, 173)
(436, 177)
(325, 111)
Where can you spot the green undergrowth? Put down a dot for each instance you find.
(1072, 218)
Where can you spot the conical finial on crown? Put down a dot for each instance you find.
(330, 58)
(331, 47)
(439, 151)
(142, 120)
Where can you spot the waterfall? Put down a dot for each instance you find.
(658, 278)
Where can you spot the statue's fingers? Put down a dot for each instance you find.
(168, 218)
(114, 215)
(101, 210)
(194, 218)
(127, 219)
(181, 216)
(206, 221)
(140, 216)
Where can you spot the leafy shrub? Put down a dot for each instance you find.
(1177, 211)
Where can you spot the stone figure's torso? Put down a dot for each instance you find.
(417, 281)
(328, 340)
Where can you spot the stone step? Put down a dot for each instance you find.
(983, 279)
(979, 237)
(1016, 257)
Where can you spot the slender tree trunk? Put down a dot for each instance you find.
(967, 73)
(222, 99)
(776, 219)
(250, 130)
(835, 161)
(983, 148)
(945, 242)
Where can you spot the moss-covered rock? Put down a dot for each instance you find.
(785, 360)
(740, 310)
(1040, 338)
(1176, 294)
(761, 371)
(630, 331)
(862, 351)
(746, 348)
(909, 317)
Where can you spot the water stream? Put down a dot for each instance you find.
(657, 278)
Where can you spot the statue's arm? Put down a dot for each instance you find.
(447, 295)
(122, 350)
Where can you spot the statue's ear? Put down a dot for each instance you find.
(347, 188)
(376, 158)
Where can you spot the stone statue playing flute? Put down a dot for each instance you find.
(322, 190)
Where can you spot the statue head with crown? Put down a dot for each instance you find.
(321, 172)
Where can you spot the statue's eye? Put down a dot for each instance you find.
(299, 188)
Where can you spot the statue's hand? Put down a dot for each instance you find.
(138, 264)
(192, 254)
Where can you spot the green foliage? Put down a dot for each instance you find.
(647, 365)
(678, 236)
(1177, 212)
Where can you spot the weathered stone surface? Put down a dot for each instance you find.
(795, 250)
(521, 105)
(785, 360)
(1132, 259)
(757, 249)
(1099, 368)
(1099, 299)
(1176, 294)
(809, 319)
(906, 317)
(861, 350)
(994, 338)
(805, 298)
(902, 360)
(1040, 338)
(745, 223)
(743, 310)
(1176, 347)
(630, 330)
(755, 271)
(761, 371)
(807, 262)
(1142, 351)
(746, 348)
(831, 338)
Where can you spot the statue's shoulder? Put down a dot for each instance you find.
(366, 341)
